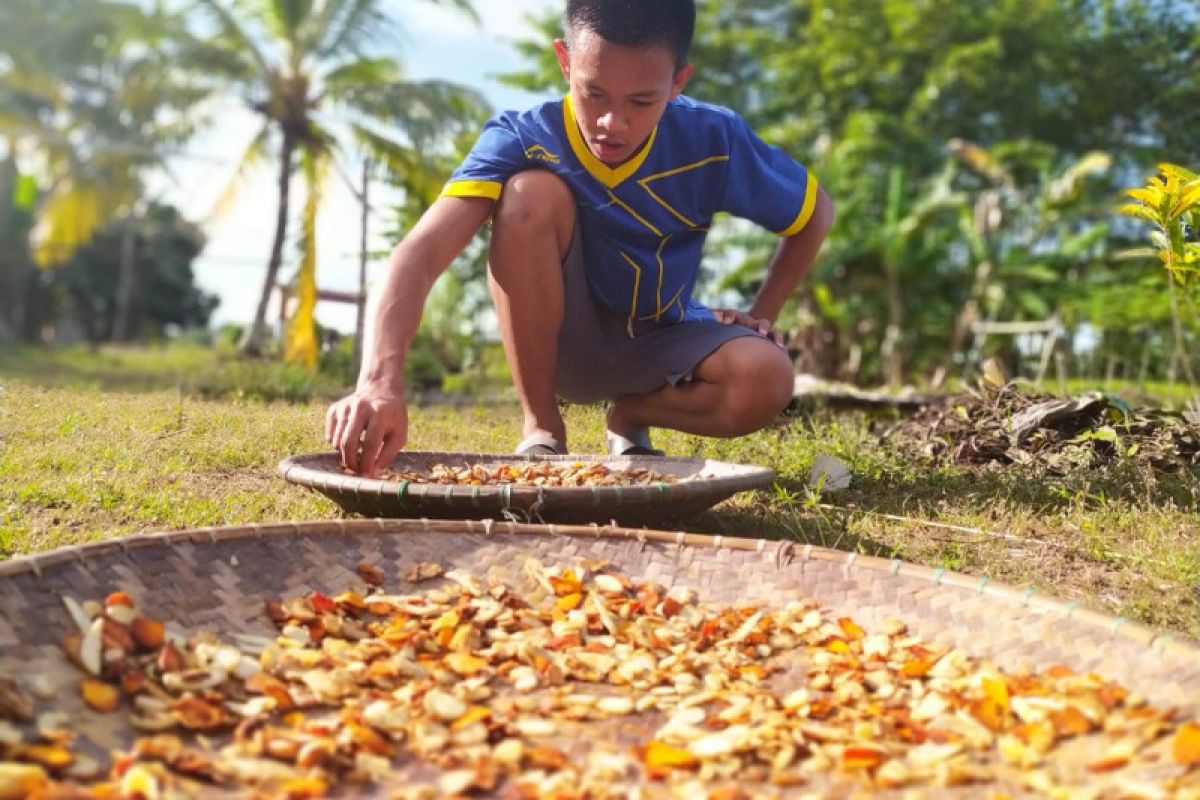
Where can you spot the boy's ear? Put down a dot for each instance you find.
(564, 58)
(682, 76)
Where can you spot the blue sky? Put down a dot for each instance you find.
(439, 44)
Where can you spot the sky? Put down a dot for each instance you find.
(439, 43)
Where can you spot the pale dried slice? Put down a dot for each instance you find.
(423, 571)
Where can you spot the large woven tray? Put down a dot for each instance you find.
(215, 579)
(709, 482)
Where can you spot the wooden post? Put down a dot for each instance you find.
(360, 319)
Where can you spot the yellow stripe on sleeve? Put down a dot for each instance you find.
(488, 189)
(806, 210)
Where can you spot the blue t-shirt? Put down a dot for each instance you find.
(644, 222)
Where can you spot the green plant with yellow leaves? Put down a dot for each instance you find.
(1171, 203)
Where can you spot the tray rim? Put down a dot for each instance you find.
(784, 553)
(298, 469)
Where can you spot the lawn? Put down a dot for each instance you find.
(120, 441)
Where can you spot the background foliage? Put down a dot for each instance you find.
(977, 152)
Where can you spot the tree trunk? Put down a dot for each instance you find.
(10, 265)
(890, 351)
(968, 315)
(255, 336)
(125, 282)
(1179, 353)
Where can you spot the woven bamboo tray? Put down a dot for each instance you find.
(709, 482)
(216, 579)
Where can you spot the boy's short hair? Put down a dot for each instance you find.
(636, 23)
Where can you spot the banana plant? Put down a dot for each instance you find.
(1031, 228)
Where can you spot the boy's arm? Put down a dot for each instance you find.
(370, 426)
(792, 260)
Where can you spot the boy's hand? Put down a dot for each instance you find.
(367, 431)
(731, 316)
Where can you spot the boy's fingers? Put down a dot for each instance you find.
(371, 447)
(348, 442)
(331, 425)
(392, 445)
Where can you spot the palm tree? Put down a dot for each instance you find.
(310, 72)
(88, 103)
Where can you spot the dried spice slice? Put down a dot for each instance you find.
(541, 473)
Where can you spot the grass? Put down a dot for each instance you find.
(100, 445)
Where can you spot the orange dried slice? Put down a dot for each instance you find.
(660, 755)
(728, 793)
(988, 712)
(370, 573)
(563, 642)
(465, 664)
(118, 599)
(851, 628)
(474, 714)
(569, 602)
(133, 681)
(1070, 722)
(566, 583)
(262, 683)
(101, 696)
(170, 659)
(996, 690)
(862, 757)
(148, 633)
(53, 757)
(1108, 763)
(369, 740)
(917, 668)
(546, 757)
(322, 603)
(22, 780)
(351, 600)
(1185, 748)
(304, 789)
(197, 715)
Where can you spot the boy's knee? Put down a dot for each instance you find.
(762, 390)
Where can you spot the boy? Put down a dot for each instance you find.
(599, 204)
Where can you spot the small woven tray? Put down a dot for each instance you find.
(216, 579)
(709, 482)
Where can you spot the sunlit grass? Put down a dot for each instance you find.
(78, 463)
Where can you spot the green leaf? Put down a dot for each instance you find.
(1181, 174)
(1101, 434)
(25, 193)
(1189, 197)
(1141, 212)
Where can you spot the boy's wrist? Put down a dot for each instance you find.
(383, 377)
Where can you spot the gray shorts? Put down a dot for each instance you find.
(598, 360)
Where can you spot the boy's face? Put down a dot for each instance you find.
(619, 93)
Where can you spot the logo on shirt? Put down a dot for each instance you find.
(535, 152)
